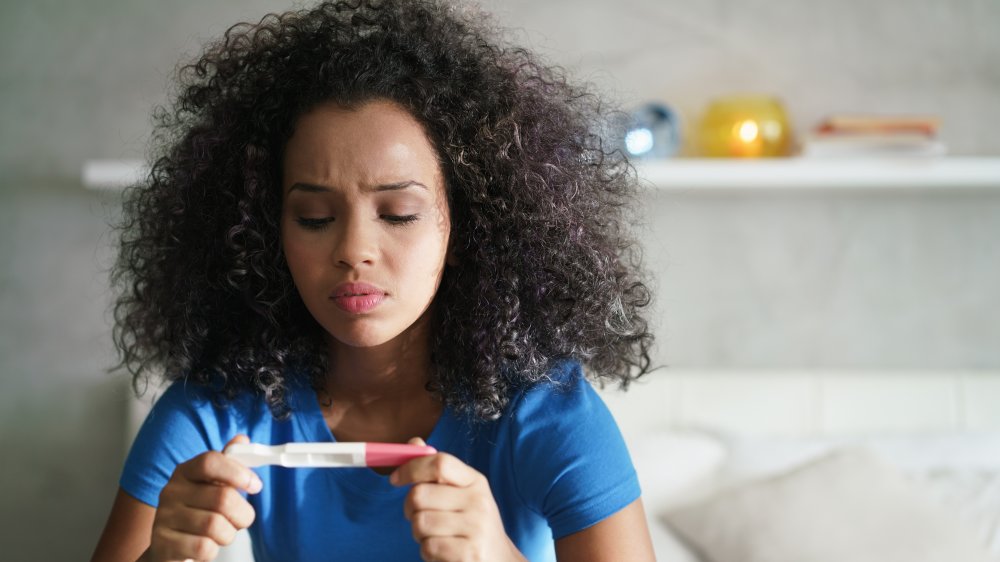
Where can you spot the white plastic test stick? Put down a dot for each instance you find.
(327, 455)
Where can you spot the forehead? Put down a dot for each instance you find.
(376, 141)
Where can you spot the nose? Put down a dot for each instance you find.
(356, 244)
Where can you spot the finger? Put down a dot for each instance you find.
(416, 441)
(432, 523)
(177, 545)
(440, 468)
(203, 523)
(426, 495)
(444, 549)
(255, 484)
(214, 467)
(225, 501)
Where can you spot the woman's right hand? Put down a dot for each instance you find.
(201, 508)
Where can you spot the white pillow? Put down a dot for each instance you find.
(846, 506)
(973, 496)
(960, 470)
(755, 455)
(675, 467)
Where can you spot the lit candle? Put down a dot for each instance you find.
(744, 127)
(746, 133)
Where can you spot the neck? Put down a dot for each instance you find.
(364, 378)
(394, 372)
(379, 393)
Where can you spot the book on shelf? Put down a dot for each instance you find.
(874, 136)
(879, 124)
(874, 145)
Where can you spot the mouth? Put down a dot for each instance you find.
(355, 289)
(357, 298)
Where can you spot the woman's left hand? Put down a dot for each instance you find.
(452, 511)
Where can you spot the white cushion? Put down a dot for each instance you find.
(959, 469)
(846, 506)
(755, 455)
(674, 467)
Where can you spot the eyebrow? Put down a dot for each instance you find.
(313, 188)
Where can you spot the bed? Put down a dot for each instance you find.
(815, 466)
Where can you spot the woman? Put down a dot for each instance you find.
(375, 222)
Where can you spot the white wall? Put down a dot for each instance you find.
(761, 280)
(820, 56)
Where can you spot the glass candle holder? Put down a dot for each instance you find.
(651, 132)
(745, 127)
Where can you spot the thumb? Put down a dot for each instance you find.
(238, 438)
(416, 441)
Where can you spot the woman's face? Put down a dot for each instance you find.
(364, 220)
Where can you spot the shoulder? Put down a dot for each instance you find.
(564, 401)
(565, 390)
(201, 399)
(199, 412)
(186, 419)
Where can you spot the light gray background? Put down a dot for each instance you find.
(765, 279)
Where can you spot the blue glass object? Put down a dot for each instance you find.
(652, 132)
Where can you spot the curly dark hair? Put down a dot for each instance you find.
(546, 269)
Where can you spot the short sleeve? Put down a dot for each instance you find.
(570, 461)
(181, 425)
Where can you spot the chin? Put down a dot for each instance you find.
(362, 339)
(369, 332)
(362, 334)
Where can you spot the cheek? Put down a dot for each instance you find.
(421, 257)
(432, 256)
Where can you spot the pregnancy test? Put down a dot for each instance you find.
(327, 455)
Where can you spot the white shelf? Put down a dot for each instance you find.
(113, 175)
(690, 174)
(684, 174)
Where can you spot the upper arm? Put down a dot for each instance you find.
(580, 469)
(128, 530)
(622, 536)
(182, 424)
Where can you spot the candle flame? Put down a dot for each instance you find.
(748, 131)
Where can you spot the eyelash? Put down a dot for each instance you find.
(313, 224)
(320, 224)
(400, 220)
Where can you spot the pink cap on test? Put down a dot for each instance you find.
(394, 454)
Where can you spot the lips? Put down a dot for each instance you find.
(357, 298)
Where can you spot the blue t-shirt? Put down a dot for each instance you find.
(555, 461)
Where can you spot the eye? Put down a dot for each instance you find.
(314, 224)
(399, 219)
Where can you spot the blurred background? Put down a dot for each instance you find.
(819, 279)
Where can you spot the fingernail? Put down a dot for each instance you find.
(255, 483)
